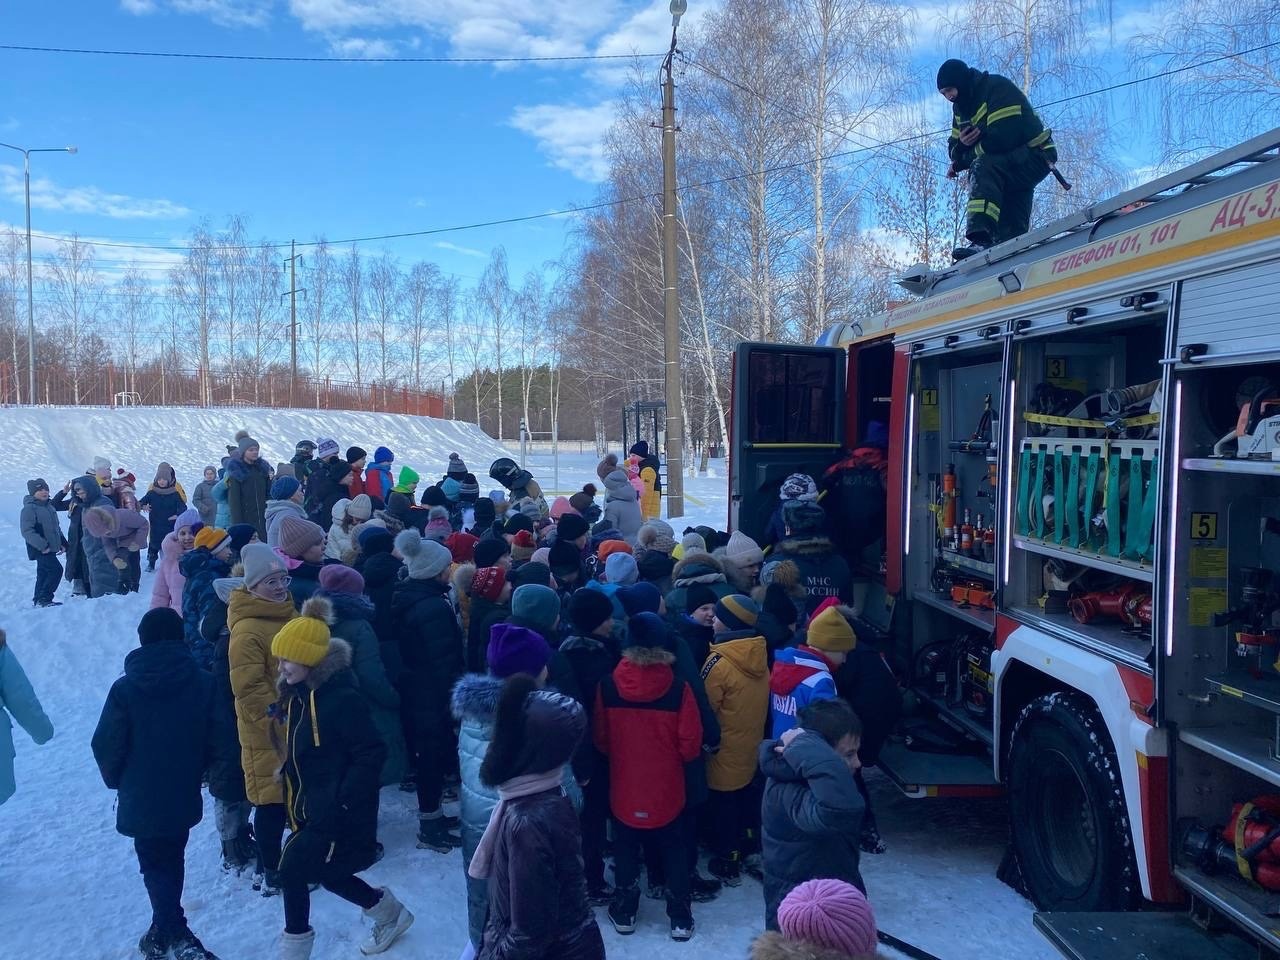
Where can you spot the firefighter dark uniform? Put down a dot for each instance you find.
(1006, 163)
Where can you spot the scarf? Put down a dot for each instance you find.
(523, 786)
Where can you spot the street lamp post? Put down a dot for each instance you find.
(670, 280)
(31, 320)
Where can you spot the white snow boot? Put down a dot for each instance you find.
(390, 919)
(297, 946)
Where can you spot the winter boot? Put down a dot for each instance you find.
(187, 946)
(153, 946)
(270, 886)
(236, 855)
(977, 244)
(703, 889)
(682, 930)
(728, 870)
(434, 834)
(870, 842)
(599, 894)
(390, 919)
(622, 911)
(297, 946)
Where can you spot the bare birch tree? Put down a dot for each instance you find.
(135, 315)
(76, 292)
(263, 314)
(1228, 94)
(494, 292)
(13, 287)
(384, 302)
(351, 285)
(320, 287)
(233, 267)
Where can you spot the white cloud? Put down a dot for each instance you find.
(464, 251)
(112, 262)
(471, 28)
(571, 137)
(225, 13)
(46, 195)
(363, 48)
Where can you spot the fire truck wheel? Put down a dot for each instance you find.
(1066, 802)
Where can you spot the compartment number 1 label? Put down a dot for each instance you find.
(1204, 526)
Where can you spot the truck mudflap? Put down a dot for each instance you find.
(920, 774)
(1139, 936)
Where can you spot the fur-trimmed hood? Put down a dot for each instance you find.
(804, 546)
(475, 697)
(240, 471)
(734, 575)
(335, 661)
(348, 606)
(697, 567)
(648, 656)
(463, 574)
(774, 946)
(100, 519)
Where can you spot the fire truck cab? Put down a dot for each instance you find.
(1079, 576)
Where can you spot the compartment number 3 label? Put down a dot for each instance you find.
(1204, 526)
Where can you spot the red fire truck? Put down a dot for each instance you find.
(1080, 573)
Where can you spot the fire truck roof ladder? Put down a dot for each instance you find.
(1264, 147)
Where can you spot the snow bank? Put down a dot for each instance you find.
(69, 885)
(60, 442)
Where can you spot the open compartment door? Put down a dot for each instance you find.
(788, 417)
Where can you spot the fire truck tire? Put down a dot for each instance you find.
(1066, 802)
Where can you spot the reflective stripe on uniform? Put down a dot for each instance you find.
(980, 208)
(1040, 139)
(1004, 113)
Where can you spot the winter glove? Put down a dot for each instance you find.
(119, 563)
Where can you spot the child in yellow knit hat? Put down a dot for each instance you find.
(332, 771)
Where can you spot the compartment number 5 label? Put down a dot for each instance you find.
(1204, 526)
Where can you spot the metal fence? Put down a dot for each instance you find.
(108, 385)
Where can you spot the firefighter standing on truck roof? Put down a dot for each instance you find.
(998, 138)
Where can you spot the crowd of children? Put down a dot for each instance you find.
(587, 683)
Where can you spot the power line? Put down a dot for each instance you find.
(268, 58)
(704, 184)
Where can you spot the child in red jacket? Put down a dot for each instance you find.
(646, 723)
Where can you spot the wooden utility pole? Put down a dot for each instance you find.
(293, 320)
(670, 282)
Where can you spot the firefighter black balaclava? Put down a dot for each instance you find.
(954, 73)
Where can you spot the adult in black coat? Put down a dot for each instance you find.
(531, 851)
(248, 482)
(812, 812)
(381, 570)
(485, 615)
(69, 500)
(325, 488)
(155, 739)
(226, 782)
(431, 651)
(592, 650)
(333, 761)
(823, 572)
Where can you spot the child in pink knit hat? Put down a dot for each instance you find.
(821, 920)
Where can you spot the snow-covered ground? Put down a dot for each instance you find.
(69, 885)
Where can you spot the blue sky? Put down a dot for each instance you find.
(340, 149)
